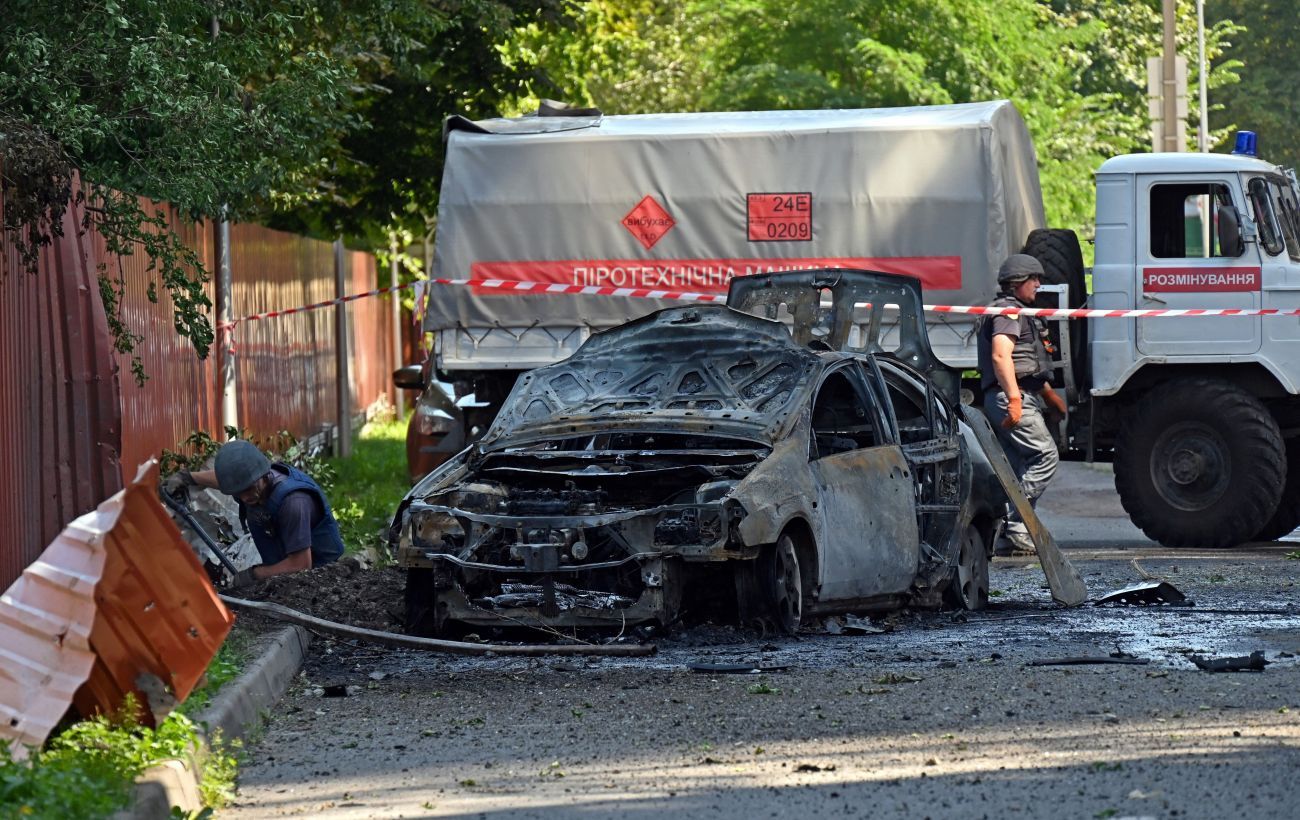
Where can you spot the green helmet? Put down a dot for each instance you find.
(1018, 268)
(239, 465)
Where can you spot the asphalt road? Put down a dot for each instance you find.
(940, 716)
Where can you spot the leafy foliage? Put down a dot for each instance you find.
(1268, 99)
(1076, 69)
(331, 108)
(87, 771)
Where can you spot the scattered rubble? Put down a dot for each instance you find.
(1152, 593)
(1254, 662)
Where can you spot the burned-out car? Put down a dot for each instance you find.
(770, 459)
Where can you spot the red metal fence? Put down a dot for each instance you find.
(72, 418)
(59, 415)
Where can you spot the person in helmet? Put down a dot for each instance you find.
(282, 507)
(1015, 369)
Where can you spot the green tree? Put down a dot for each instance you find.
(253, 107)
(1076, 69)
(1267, 100)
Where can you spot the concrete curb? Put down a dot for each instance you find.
(235, 712)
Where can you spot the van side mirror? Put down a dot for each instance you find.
(1230, 243)
(410, 377)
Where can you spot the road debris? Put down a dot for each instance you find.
(1254, 662)
(732, 668)
(1151, 593)
(813, 767)
(1085, 660)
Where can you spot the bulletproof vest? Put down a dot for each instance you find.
(326, 541)
(1030, 356)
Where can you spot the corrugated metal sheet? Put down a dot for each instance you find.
(117, 603)
(60, 431)
(45, 622)
(68, 417)
(285, 365)
(182, 393)
(157, 616)
(371, 336)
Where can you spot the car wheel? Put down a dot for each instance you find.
(785, 586)
(970, 583)
(421, 598)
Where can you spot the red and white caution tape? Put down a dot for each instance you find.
(689, 296)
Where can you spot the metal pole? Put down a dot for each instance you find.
(1169, 86)
(225, 304)
(343, 435)
(1203, 128)
(397, 325)
(225, 315)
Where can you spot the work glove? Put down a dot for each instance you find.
(243, 578)
(1055, 404)
(1015, 408)
(177, 481)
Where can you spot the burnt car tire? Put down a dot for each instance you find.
(1199, 463)
(783, 585)
(421, 599)
(969, 588)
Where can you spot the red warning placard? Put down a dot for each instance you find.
(785, 217)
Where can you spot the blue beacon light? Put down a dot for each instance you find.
(1246, 144)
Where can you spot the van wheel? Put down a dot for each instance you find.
(1287, 517)
(1198, 463)
(969, 588)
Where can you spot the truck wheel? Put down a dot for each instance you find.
(1057, 249)
(1287, 517)
(1198, 463)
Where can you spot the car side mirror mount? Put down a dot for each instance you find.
(1230, 243)
(410, 377)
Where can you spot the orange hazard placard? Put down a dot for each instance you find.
(785, 217)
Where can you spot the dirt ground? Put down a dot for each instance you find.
(943, 715)
(343, 591)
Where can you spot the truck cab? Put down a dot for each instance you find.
(1195, 411)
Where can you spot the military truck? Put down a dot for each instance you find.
(1198, 415)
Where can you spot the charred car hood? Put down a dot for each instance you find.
(706, 370)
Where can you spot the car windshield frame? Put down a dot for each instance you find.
(700, 370)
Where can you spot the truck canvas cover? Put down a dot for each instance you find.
(684, 202)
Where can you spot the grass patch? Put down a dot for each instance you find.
(369, 485)
(88, 770)
(225, 667)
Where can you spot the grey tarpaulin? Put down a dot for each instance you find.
(954, 184)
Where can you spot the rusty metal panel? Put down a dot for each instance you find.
(158, 620)
(370, 332)
(60, 423)
(286, 366)
(181, 394)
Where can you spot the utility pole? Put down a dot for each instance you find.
(398, 398)
(1203, 68)
(1172, 139)
(225, 304)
